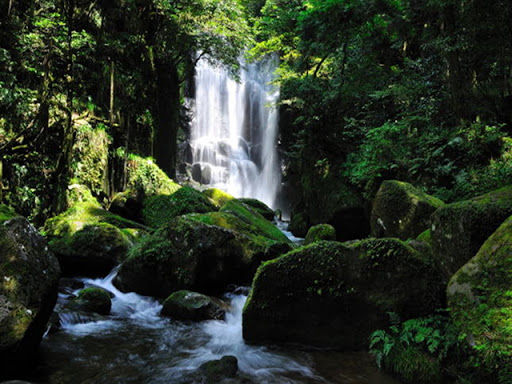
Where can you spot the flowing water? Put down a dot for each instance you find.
(234, 131)
(135, 345)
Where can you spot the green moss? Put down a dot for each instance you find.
(160, 209)
(217, 197)
(256, 223)
(260, 207)
(425, 236)
(401, 210)
(79, 193)
(320, 232)
(81, 215)
(6, 213)
(460, 229)
(146, 177)
(93, 300)
(480, 300)
(299, 224)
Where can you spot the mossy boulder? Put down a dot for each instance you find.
(188, 305)
(460, 229)
(160, 209)
(215, 371)
(260, 207)
(332, 294)
(200, 252)
(320, 232)
(299, 224)
(29, 275)
(89, 240)
(401, 210)
(93, 299)
(480, 301)
(145, 177)
(217, 197)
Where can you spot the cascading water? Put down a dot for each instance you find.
(234, 131)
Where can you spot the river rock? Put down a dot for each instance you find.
(188, 305)
(93, 299)
(217, 197)
(214, 371)
(331, 294)
(201, 252)
(460, 229)
(160, 209)
(299, 224)
(401, 210)
(320, 232)
(480, 301)
(29, 275)
(89, 240)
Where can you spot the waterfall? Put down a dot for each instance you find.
(234, 131)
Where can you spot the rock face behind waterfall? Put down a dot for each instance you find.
(29, 275)
(332, 294)
(200, 252)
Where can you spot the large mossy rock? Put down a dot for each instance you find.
(143, 179)
(480, 302)
(89, 240)
(299, 224)
(200, 252)
(320, 232)
(29, 275)
(194, 306)
(160, 209)
(260, 207)
(401, 210)
(460, 229)
(93, 299)
(331, 294)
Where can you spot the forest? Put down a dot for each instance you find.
(386, 238)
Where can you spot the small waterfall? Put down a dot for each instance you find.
(234, 131)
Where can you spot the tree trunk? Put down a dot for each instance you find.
(166, 116)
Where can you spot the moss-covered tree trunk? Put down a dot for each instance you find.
(167, 111)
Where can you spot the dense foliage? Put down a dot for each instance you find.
(392, 89)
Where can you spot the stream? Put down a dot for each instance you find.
(135, 345)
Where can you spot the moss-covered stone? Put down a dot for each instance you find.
(6, 213)
(333, 294)
(260, 207)
(79, 193)
(160, 209)
(29, 275)
(320, 232)
(92, 251)
(401, 210)
(93, 299)
(215, 371)
(480, 302)
(146, 178)
(256, 223)
(188, 305)
(217, 197)
(90, 240)
(299, 224)
(460, 229)
(201, 252)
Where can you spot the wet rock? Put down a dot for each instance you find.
(29, 275)
(188, 305)
(299, 224)
(401, 210)
(260, 207)
(215, 370)
(331, 294)
(92, 299)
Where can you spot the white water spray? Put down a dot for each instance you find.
(234, 131)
